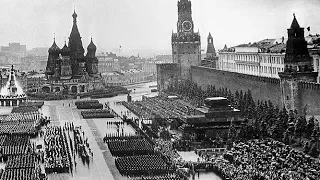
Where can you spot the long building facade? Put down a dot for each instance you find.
(264, 58)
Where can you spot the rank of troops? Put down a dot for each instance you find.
(21, 161)
(96, 113)
(21, 174)
(16, 151)
(130, 147)
(24, 109)
(82, 146)
(14, 145)
(158, 177)
(143, 165)
(57, 152)
(22, 120)
(89, 104)
(15, 128)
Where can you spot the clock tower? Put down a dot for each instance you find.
(186, 45)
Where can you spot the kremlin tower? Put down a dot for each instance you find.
(298, 68)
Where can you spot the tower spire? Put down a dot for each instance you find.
(74, 15)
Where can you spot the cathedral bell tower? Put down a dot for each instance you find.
(186, 45)
(77, 51)
(298, 67)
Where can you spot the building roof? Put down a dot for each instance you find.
(279, 48)
(65, 51)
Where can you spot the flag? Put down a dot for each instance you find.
(308, 28)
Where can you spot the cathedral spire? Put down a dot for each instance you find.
(74, 15)
(75, 43)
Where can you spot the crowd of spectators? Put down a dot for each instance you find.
(165, 147)
(159, 107)
(269, 159)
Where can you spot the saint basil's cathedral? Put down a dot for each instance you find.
(69, 68)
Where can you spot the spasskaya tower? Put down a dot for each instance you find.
(186, 45)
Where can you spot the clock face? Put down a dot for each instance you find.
(186, 25)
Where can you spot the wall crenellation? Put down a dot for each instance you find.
(243, 76)
(310, 85)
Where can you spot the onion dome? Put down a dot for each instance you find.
(92, 47)
(54, 49)
(65, 51)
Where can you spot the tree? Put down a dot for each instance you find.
(286, 139)
(284, 118)
(314, 151)
(306, 147)
(309, 127)
(165, 134)
(277, 129)
(291, 116)
(232, 133)
(155, 125)
(263, 129)
(298, 128)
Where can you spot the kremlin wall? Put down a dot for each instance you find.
(262, 88)
(295, 89)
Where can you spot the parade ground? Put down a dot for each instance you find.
(101, 165)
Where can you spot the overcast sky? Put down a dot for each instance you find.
(145, 26)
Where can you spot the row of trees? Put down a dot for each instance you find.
(264, 118)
